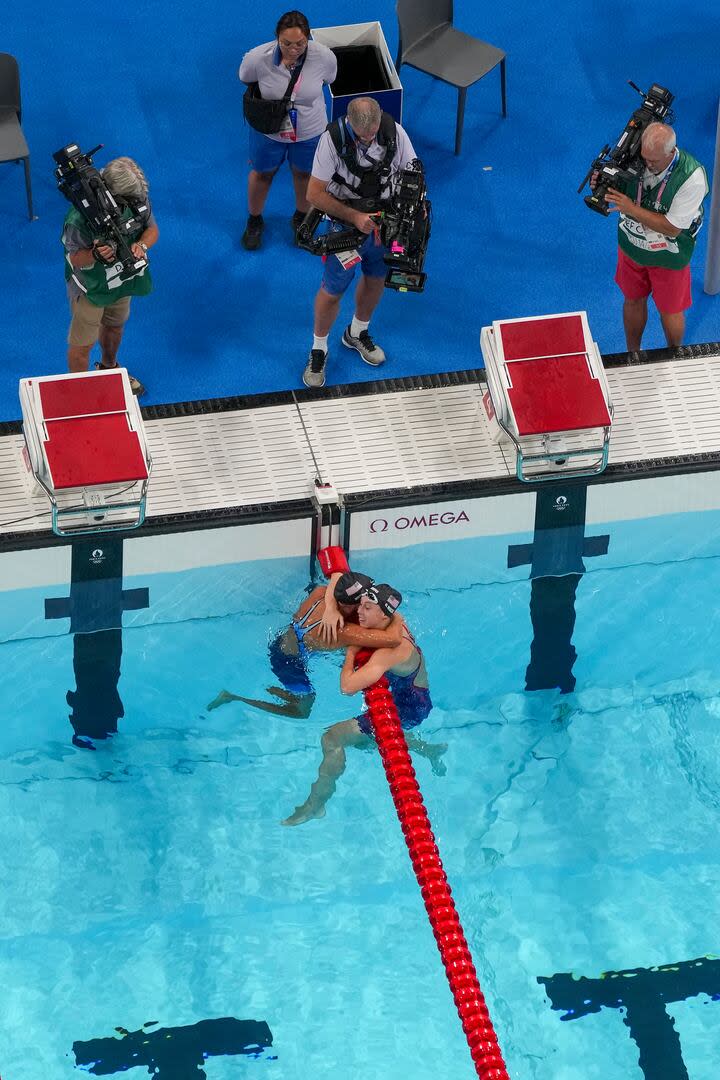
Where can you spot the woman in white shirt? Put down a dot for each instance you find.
(272, 66)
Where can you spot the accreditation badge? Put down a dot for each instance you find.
(288, 131)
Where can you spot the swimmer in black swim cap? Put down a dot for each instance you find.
(289, 650)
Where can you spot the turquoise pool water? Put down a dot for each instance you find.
(149, 882)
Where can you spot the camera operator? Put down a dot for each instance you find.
(660, 216)
(348, 184)
(99, 290)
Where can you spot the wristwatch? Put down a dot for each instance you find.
(143, 246)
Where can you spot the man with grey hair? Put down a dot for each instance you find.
(356, 163)
(660, 216)
(99, 287)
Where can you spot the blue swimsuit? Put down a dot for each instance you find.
(412, 702)
(291, 670)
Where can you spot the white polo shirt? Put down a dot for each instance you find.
(327, 162)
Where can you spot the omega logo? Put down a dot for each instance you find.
(447, 517)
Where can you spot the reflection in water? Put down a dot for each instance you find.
(95, 608)
(175, 1053)
(552, 653)
(642, 994)
(556, 557)
(95, 703)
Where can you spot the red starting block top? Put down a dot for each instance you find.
(89, 438)
(93, 450)
(551, 384)
(81, 397)
(525, 339)
(556, 393)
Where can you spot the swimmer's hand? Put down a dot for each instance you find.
(331, 622)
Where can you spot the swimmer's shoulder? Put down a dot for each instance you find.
(317, 594)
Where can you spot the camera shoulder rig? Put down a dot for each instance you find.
(372, 178)
(404, 226)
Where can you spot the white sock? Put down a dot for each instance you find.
(357, 327)
(320, 343)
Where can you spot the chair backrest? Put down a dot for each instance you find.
(9, 83)
(417, 18)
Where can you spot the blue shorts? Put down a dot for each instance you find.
(291, 671)
(412, 708)
(336, 280)
(267, 155)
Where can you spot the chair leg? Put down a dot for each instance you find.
(28, 188)
(462, 93)
(503, 87)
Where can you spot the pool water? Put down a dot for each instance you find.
(149, 881)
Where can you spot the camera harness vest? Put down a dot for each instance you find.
(675, 254)
(102, 284)
(372, 178)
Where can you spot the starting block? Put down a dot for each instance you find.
(85, 446)
(548, 392)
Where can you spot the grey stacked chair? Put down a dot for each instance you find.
(430, 43)
(13, 146)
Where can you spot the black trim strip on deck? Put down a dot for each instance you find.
(648, 469)
(660, 356)
(326, 393)
(441, 380)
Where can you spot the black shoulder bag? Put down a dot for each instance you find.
(268, 116)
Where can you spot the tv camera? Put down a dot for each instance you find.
(404, 229)
(82, 185)
(623, 161)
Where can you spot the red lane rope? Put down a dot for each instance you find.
(444, 919)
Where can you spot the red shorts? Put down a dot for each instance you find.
(670, 288)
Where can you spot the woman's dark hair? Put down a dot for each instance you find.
(292, 20)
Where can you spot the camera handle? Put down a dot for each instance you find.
(597, 163)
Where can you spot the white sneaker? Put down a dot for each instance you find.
(314, 373)
(371, 353)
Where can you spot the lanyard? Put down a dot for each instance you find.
(296, 74)
(658, 197)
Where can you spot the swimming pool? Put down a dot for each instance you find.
(148, 882)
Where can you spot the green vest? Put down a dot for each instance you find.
(103, 284)
(647, 247)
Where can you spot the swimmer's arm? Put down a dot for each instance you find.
(352, 681)
(352, 634)
(332, 620)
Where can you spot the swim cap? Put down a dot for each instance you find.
(350, 587)
(386, 598)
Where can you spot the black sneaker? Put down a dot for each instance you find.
(252, 237)
(371, 353)
(314, 373)
(135, 385)
(296, 221)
